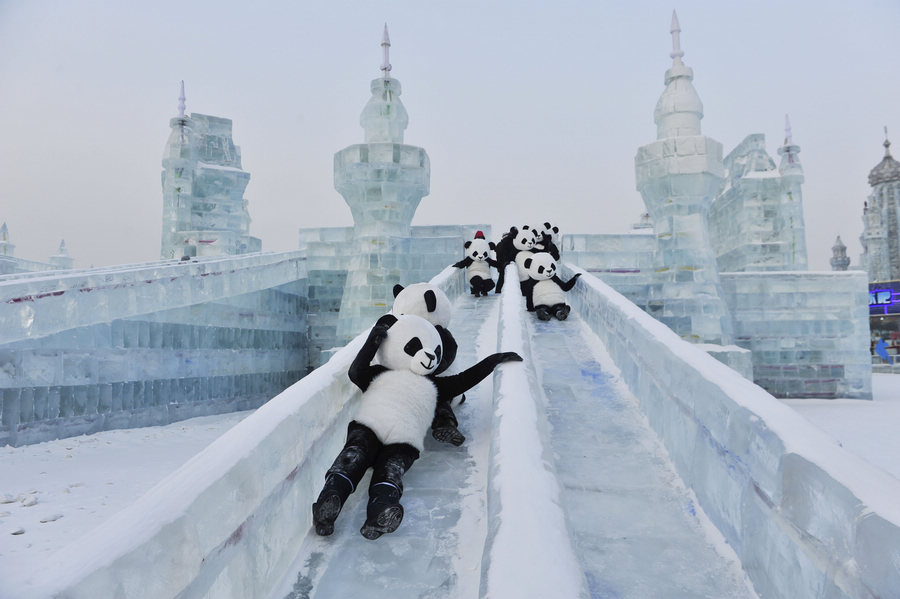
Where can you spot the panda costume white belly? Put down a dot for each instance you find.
(521, 257)
(478, 269)
(547, 293)
(398, 406)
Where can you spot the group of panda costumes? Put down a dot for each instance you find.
(402, 395)
(398, 367)
(535, 253)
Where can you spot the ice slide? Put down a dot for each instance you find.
(561, 489)
(632, 529)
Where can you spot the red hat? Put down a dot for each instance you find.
(479, 235)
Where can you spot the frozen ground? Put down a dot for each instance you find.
(52, 493)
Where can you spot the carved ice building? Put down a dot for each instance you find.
(725, 263)
(880, 238)
(756, 221)
(203, 183)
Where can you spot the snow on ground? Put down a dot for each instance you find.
(870, 429)
(51, 493)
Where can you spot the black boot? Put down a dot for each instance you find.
(384, 512)
(444, 424)
(562, 312)
(448, 434)
(542, 313)
(344, 475)
(327, 507)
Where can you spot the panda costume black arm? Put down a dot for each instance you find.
(568, 284)
(457, 384)
(362, 372)
(464, 263)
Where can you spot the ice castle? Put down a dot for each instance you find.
(720, 258)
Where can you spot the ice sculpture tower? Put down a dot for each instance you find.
(881, 234)
(793, 227)
(7, 248)
(382, 180)
(678, 176)
(204, 210)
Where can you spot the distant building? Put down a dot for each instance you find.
(839, 258)
(880, 238)
(204, 210)
(9, 264)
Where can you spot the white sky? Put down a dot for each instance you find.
(528, 111)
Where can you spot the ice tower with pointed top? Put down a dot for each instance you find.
(203, 183)
(382, 180)
(880, 238)
(678, 176)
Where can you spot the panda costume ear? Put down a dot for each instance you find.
(527, 263)
(465, 245)
(397, 289)
(430, 300)
(492, 245)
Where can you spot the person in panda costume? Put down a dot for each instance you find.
(399, 394)
(545, 293)
(510, 245)
(432, 304)
(549, 239)
(478, 264)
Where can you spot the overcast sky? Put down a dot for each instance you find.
(529, 111)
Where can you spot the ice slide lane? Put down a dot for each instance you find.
(636, 531)
(436, 552)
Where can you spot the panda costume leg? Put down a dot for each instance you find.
(384, 512)
(359, 452)
(560, 311)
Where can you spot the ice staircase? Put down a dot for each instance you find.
(615, 461)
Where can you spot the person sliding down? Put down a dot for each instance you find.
(399, 395)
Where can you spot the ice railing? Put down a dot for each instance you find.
(38, 304)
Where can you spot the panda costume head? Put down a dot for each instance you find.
(425, 300)
(413, 344)
(540, 266)
(429, 302)
(524, 238)
(479, 249)
(551, 232)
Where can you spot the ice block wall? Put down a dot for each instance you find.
(147, 344)
(424, 253)
(808, 331)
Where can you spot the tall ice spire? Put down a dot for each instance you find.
(181, 105)
(679, 109)
(384, 118)
(386, 53)
(675, 30)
